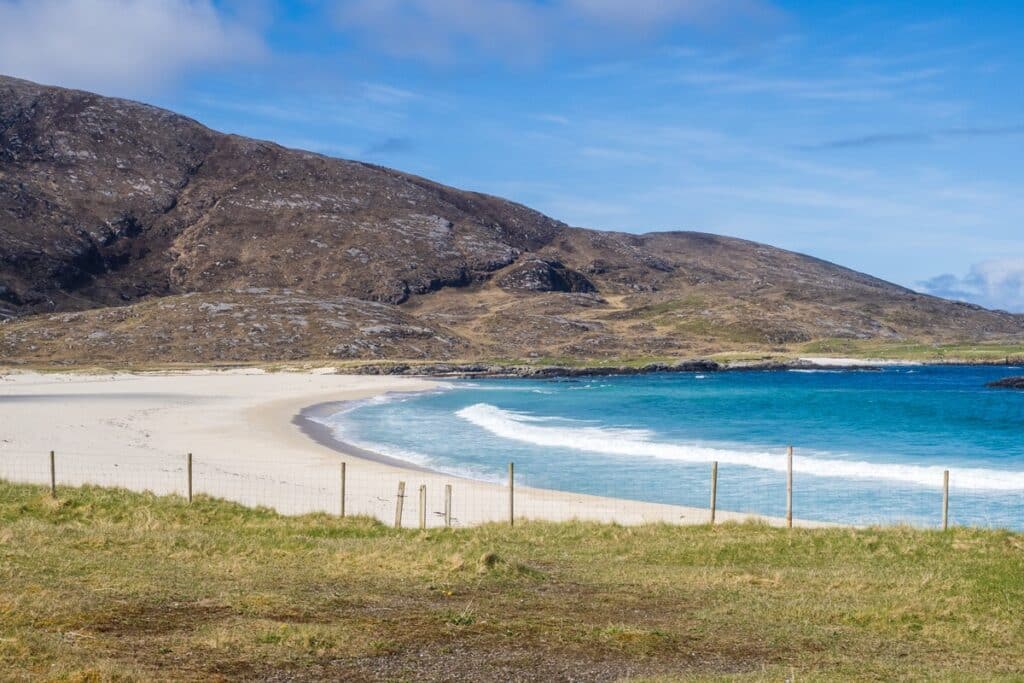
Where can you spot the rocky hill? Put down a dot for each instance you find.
(217, 247)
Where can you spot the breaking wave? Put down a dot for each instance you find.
(539, 431)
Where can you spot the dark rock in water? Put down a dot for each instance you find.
(1007, 383)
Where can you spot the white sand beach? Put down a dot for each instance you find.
(134, 431)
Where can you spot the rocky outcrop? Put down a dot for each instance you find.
(231, 326)
(1007, 383)
(469, 370)
(539, 275)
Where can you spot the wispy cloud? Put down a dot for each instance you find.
(321, 147)
(884, 139)
(647, 15)
(553, 118)
(119, 46)
(858, 88)
(586, 211)
(382, 93)
(390, 147)
(511, 31)
(371, 107)
(617, 156)
(997, 283)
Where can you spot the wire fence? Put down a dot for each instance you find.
(422, 498)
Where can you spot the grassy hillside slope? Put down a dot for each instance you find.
(110, 585)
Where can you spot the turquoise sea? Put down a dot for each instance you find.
(870, 446)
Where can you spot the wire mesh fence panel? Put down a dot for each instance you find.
(978, 508)
(541, 491)
(24, 467)
(290, 487)
(158, 474)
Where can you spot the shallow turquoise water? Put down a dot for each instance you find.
(870, 446)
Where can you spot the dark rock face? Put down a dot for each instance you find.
(1007, 383)
(538, 275)
(109, 203)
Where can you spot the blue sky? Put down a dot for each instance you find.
(883, 136)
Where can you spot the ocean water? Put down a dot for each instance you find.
(870, 446)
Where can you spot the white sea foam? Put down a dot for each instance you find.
(337, 423)
(419, 459)
(530, 429)
(807, 371)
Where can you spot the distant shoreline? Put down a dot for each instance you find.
(505, 370)
(484, 371)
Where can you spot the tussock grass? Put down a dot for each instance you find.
(110, 585)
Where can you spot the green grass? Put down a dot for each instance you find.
(917, 351)
(110, 585)
(688, 304)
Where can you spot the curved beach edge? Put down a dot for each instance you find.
(309, 422)
(255, 441)
(576, 506)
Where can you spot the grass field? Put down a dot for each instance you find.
(110, 585)
(914, 351)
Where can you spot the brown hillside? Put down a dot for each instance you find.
(105, 202)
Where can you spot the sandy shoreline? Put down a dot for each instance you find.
(307, 420)
(253, 441)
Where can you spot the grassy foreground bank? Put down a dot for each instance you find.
(110, 585)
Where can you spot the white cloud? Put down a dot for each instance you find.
(998, 283)
(524, 31)
(118, 46)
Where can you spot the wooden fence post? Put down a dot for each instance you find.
(423, 506)
(714, 489)
(447, 505)
(398, 504)
(341, 498)
(945, 500)
(511, 494)
(188, 468)
(789, 488)
(53, 476)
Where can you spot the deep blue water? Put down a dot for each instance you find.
(870, 446)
